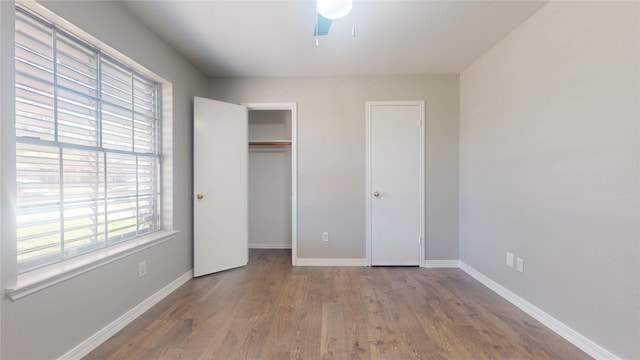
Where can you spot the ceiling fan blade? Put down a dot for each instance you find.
(322, 26)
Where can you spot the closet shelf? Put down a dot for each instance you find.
(270, 143)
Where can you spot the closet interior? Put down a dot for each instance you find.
(270, 178)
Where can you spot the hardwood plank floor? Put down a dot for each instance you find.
(271, 310)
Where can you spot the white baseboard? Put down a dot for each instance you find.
(331, 262)
(108, 331)
(583, 343)
(442, 264)
(269, 246)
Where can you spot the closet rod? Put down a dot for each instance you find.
(270, 143)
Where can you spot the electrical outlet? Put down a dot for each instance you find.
(142, 268)
(509, 259)
(520, 264)
(325, 236)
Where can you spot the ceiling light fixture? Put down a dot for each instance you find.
(329, 10)
(334, 9)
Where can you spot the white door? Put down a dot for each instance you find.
(395, 182)
(220, 184)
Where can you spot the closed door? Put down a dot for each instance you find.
(395, 182)
(220, 183)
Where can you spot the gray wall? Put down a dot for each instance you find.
(549, 167)
(331, 154)
(62, 316)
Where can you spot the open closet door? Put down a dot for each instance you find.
(220, 184)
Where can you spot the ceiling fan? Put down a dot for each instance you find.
(329, 10)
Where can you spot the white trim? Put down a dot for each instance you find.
(441, 264)
(269, 246)
(369, 189)
(41, 279)
(7, 117)
(423, 170)
(293, 107)
(368, 185)
(332, 262)
(574, 337)
(95, 340)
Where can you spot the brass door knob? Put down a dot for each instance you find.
(376, 194)
(200, 196)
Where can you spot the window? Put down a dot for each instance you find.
(88, 151)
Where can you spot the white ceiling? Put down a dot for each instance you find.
(275, 38)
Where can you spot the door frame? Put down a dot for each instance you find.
(421, 106)
(290, 106)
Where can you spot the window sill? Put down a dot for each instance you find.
(34, 281)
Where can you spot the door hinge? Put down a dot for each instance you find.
(419, 240)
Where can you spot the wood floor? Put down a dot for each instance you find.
(271, 310)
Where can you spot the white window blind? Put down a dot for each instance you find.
(87, 146)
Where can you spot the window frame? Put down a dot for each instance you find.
(34, 280)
